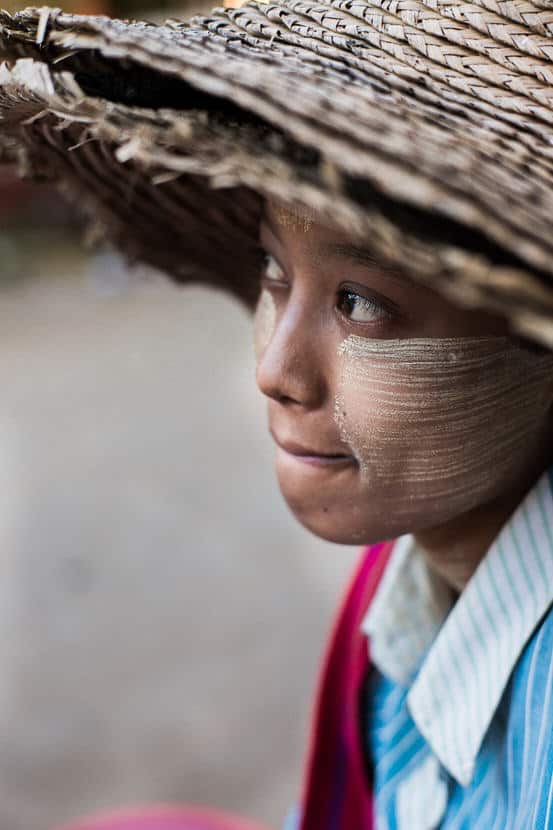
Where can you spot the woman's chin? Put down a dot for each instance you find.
(338, 536)
(334, 505)
(342, 523)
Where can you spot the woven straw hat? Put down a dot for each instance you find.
(425, 127)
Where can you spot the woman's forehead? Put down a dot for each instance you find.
(288, 216)
(319, 239)
(306, 230)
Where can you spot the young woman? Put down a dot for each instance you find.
(397, 413)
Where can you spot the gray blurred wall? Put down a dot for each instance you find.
(161, 613)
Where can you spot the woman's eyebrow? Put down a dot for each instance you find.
(362, 255)
(352, 251)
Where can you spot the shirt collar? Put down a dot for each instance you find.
(409, 607)
(466, 651)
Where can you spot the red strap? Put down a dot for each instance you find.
(336, 794)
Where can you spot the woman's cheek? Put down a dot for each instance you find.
(264, 322)
(440, 423)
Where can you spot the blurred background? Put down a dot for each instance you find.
(162, 615)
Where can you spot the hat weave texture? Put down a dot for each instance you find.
(423, 128)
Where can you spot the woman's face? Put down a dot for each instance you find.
(392, 410)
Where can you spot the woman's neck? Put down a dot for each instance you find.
(455, 549)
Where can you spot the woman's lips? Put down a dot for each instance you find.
(314, 458)
(322, 460)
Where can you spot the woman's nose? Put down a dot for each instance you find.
(288, 360)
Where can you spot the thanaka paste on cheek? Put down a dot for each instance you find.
(440, 422)
(264, 322)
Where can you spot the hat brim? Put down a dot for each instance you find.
(171, 135)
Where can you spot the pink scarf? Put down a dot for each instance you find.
(336, 793)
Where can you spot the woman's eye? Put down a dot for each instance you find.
(271, 270)
(361, 309)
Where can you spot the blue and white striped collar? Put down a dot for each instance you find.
(467, 650)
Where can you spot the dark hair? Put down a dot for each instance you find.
(531, 345)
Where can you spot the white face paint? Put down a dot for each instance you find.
(440, 424)
(264, 322)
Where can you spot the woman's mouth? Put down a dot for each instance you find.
(313, 457)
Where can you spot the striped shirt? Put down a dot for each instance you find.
(459, 706)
